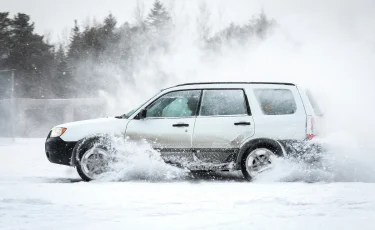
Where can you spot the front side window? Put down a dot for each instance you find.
(276, 101)
(175, 104)
(223, 102)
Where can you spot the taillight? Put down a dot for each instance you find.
(310, 134)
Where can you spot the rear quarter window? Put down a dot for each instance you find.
(314, 104)
(276, 101)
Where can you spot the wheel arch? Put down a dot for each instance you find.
(260, 142)
(86, 143)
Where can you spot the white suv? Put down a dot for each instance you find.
(200, 126)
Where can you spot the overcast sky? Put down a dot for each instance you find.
(55, 17)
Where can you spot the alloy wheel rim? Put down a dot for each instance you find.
(259, 160)
(94, 162)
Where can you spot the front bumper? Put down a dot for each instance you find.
(59, 151)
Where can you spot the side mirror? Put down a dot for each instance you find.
(142, 114)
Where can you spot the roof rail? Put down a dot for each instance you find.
(201, 83)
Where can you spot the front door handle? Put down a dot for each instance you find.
(242, 123)
(180, 125)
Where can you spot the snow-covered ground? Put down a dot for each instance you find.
(35, 194)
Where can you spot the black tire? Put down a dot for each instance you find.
(99, 142)
(244, 171)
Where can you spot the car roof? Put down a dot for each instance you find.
(237, 83)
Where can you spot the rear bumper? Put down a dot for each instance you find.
(308, 151)
(59, 151)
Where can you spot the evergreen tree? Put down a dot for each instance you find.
(76, 44)
(62, 81)
(5, 23)
(158, 28)
(29, 55)
(108, 38)
(158, 18)
(258, 26)
(262, 24)
(99, 50)
(91, 43)
(109, 24)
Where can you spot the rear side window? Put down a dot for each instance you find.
(223, 102)
(276, 101)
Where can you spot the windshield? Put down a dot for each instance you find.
(131, 112)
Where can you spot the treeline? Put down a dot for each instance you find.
(96, 52)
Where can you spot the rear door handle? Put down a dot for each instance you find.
(242, 123)
(180, 125)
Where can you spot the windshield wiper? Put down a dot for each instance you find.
(121, 116)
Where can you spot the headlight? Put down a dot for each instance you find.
(57, 131)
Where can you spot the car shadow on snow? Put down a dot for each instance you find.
(60, 180)
(215, 176)
(193, 177)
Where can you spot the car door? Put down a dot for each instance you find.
(224, 122)
(168, 125)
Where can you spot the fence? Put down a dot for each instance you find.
(24, 117)
(35, 117)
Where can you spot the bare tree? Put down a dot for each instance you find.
(203, 22)
(172, 9)
(139, 13)
(221, 12)
(64, 38)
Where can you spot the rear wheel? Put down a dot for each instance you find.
(256, 161)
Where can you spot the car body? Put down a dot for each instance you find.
(201, 126)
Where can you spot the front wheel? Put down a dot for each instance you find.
(93, 163)
(256, 161)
